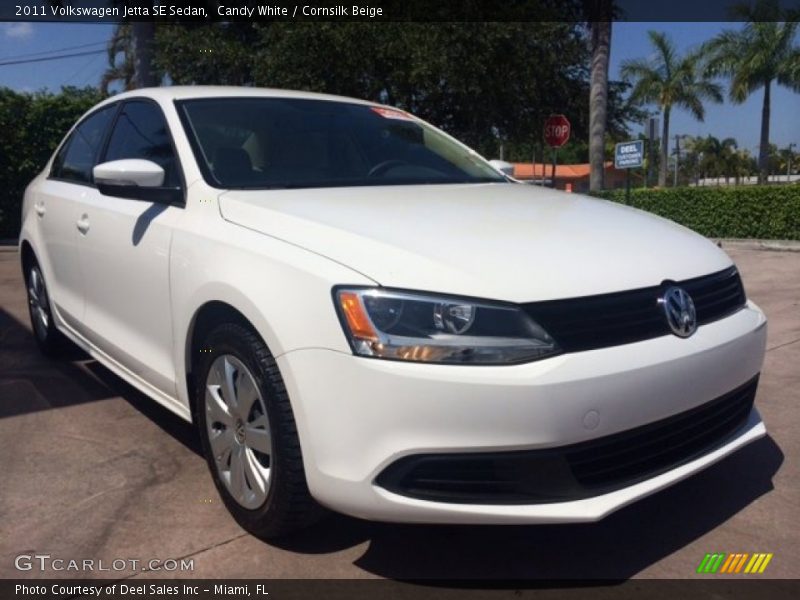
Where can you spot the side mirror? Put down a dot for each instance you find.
(135, 178)
(504, 167)
(130, 171)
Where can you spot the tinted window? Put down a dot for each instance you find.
(141, 132)
(79, 153)
(290, 142)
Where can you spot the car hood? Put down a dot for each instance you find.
(509, 242)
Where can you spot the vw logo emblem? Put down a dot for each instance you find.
(679, 311)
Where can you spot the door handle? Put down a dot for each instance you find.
(39, 208)
(83, 224)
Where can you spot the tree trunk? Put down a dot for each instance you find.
(598, 102)
(763, 150)
(143, 34)
(662, 168)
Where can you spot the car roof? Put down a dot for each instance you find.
(186, 92)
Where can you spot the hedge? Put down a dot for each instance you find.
(760, 212)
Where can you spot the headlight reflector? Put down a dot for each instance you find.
(431, 328)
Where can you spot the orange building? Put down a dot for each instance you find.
(574, 178)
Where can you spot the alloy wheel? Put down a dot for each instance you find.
(39, 303)
(238, 431)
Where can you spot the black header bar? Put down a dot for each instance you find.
(116, 11)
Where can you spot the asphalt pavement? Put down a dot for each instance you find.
(92, 469)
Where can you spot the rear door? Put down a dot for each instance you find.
(125, 254)
(58, 209)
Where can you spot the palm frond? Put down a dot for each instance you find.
(708, 90)
(723, 52)
(789, 71)
(666, 51)
(639, 69)
(693, 104)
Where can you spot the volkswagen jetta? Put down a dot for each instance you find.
(361, 313)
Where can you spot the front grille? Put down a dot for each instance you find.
(623, 317)
(572, 472)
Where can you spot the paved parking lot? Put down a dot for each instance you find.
(92, 469)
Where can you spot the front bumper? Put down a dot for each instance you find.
(357, 416)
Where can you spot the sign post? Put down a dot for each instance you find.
(556, 134)
(629, 155)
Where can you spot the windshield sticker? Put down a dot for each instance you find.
(390, 113)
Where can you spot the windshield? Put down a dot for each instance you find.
(263, 143)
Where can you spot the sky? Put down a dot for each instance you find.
(629, 40)
(22, 38)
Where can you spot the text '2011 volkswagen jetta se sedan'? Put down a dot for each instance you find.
(361, 313)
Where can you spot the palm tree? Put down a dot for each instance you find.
(599, 15)
(690, 158)
(743, 165)
(668, 80)
(763, 52)
(710, 149)
(136, 41)
(144, 33)
(788, 160)
(728, 157)
(121, 42)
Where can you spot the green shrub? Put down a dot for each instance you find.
(763, 212)
(31, 126)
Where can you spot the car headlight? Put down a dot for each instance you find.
(438, 329)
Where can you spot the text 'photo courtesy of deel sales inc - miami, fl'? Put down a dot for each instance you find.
(139, 590)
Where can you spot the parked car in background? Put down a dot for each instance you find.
(358, 312)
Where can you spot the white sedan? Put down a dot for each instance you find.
(360, 313)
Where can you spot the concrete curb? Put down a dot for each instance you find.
(770, 245)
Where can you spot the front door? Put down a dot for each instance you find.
(125, 254)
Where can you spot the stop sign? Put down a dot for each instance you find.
(556, 130)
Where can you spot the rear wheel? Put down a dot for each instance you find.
(249, 434)
(48, 338)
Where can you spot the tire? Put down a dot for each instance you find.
(50, 340)
(249, 435)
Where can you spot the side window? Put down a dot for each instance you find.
(141, 132)
(78, 155)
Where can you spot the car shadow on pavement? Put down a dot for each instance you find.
(182, 431)
(31, 382)
(615, 548)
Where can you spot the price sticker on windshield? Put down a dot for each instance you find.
(391, 113)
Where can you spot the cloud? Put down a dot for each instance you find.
(18, 31)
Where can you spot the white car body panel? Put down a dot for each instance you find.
(424, 238)
(128, 291)
(126, 272)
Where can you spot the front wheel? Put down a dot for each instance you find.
(249, 434)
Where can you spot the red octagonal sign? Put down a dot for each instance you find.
(556, 130)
